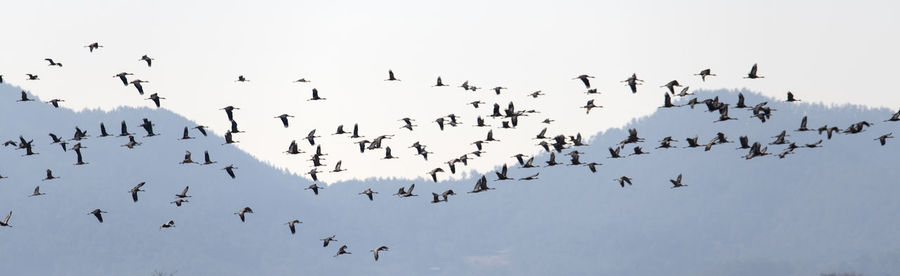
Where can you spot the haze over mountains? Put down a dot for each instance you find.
(828, 209)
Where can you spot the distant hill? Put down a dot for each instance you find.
(820, 210)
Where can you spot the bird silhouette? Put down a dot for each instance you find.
(704, 73)
(242, 212)
(291, 225)
(137, 188)
(230, 170)
(98, 213)
(379, 249)
(752, 74)
(147, 59)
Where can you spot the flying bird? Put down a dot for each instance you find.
(137, 85)
(93, 46)
(98, 213)
(155, 98)
(677, 182)
(342, 251)
(291, 224)
(391, 76)
(230, 170)
(704, 73)
(134, 191)
(752, 74)
(284, 119)
(242, 211)
(379, 249)
(52, 63)
(315, 95)
(584, 79)
(148, 59)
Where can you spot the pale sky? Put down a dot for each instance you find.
(833, 52)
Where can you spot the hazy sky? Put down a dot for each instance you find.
(832, 52)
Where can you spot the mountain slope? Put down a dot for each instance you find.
(829, 209)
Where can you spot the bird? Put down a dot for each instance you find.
(97, 213)
(52, 63)
(408, 123)
(131, 142)
(704, 73)
(315, 95)
(312, 173)
(138, 86)
(124, 130)
(752, 74)
(178, 202)
(50, 175)
(671, 86)
(481, 185)
(155, 98)
(677, 182)
(530, 177)
(337, 167)
(311, 137)
(667, 102)
(439, 82)
(291, 224)
(883, 138)
(229, 139)
(284, 119)
(379, 249)
(24, 97)
(534, 94)
(584, 79)
(93, 46)
(187, 158)
(37, 191)
(5, 221)
(368, 192)
(327, 240)
(170, 223)
(124, 77)
(406, 193)
(434, 172)
(315, 188)
(387, 153)
(803, 125)
(501, 175)
(148, 59)
(241, 78)
(230, 170)
(342, 251)
(55, 102)
(391, 76)
(302, 80)
(589, 105)
(229, 110)
(183, 193)
(633, 82)
(137, 188)
(185, 135)
(32, 77)
(622, 180)
(243, 211)
(497, 89)
(790, 97)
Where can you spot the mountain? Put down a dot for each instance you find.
(820, 210)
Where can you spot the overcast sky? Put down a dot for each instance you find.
(833, 52)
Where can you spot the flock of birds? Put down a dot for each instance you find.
(509, 118)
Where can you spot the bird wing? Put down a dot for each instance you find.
(183, 193)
